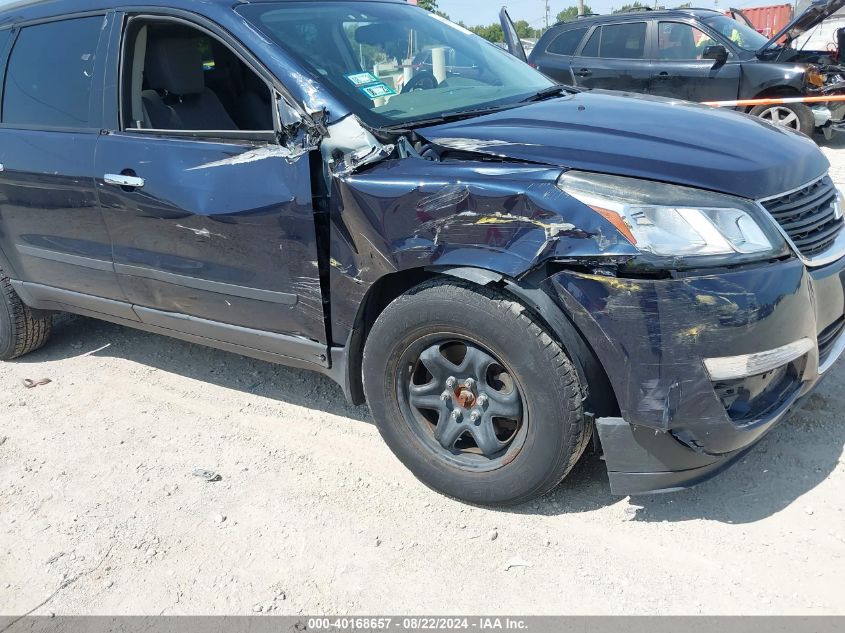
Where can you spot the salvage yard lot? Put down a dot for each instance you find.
(100, 512)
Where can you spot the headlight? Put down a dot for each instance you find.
(672, 221)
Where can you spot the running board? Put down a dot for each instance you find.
(268, 346)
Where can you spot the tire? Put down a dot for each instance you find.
(795, 116)
(512, 353)
(22, 330)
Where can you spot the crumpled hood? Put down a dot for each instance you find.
(644, 137)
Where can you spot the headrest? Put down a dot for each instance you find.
(174, 64)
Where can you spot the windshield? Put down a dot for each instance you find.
(740, 34)
(393, 63)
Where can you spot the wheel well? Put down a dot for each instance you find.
(601, 398)
(378, 297)
(777, 91)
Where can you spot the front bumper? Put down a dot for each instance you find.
(676, 427)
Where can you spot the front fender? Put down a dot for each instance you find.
(413, 213)
(758, 78)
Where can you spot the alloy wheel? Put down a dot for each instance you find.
(778, 115)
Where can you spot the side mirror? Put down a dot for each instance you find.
(717, 53)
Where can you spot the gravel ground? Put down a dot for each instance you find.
(101, 514)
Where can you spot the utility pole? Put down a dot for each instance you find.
(580, 7)
(547, 15)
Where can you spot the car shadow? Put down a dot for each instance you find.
(836, 141)
(790, 461)
(75, 336)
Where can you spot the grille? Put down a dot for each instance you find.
(828, 337)
(808, 216)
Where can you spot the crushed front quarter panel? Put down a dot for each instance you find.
(412, 213)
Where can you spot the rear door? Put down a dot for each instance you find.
(214, 229)
(682, 73)
(52, 232)
(614, 57)
(555, 58)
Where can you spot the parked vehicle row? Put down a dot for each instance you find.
(698, 55)
(503, 268)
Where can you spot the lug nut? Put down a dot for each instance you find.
(475, 416)
(482, 399)
(469, 383)
(457, 415)
(445, 396)
(451, 382)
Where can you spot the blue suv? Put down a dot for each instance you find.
(505, 269)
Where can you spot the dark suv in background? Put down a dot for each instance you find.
(698, 55)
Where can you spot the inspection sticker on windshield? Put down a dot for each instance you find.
(378, 90)
(362, 79)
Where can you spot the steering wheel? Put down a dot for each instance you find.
(423, 80)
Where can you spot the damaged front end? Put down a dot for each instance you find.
(826, 80)
(693, 353)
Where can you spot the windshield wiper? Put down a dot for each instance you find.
(552, 91)
(448, 117)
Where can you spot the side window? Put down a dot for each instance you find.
(48, 79)
(591, 48)
(176, 77)
(567, 42)
(681, 41)
(623, 41)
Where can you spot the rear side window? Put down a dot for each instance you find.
(48, 80)
(567, 42)
(591, 48)
(623, 41)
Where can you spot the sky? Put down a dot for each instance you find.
(474, 12)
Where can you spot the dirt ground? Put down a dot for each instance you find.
(101, 513)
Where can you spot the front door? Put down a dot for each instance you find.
(512, 40)
(212, 221)
(680, 71)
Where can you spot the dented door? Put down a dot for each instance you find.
(219, 230)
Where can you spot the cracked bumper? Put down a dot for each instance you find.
(676, 425)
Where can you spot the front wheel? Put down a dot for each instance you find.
(473, 395)
(795, 116)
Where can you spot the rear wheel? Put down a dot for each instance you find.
(795, 116)
(22, 330)
(473, 395)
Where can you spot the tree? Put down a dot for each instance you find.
(523, 29)
(491, 33)
(636, 6)
(428, 5)
(571, 13)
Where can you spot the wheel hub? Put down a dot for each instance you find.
(465, 397)
(465, 403)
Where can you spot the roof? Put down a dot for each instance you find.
(22, 10)
(592, 19)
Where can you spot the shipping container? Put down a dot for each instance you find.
(767, 20)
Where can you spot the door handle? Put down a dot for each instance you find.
(584, 72)
(123, 180)
(664, 75)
